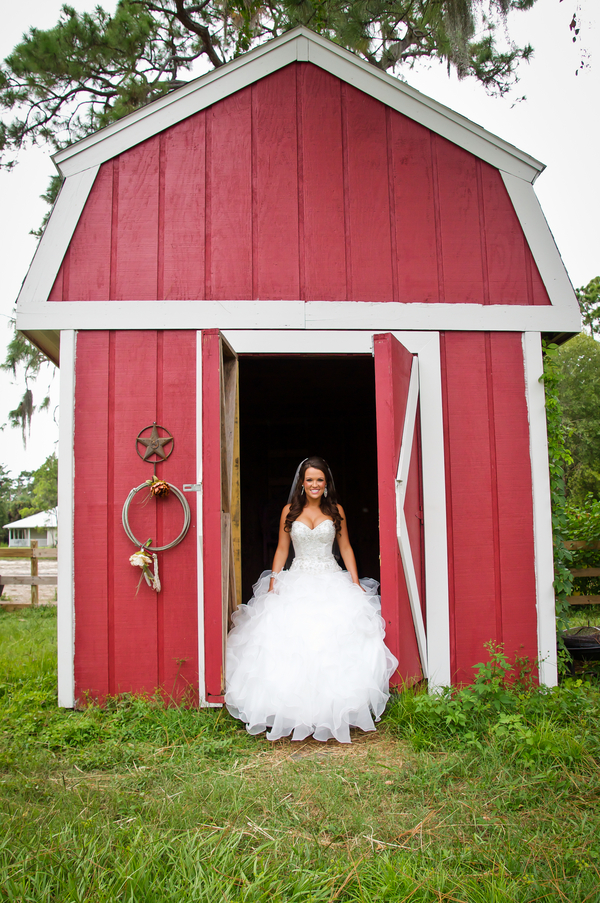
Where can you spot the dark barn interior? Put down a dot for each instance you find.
(293, 407)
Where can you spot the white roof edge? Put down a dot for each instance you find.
(299, 44)
(41, 519)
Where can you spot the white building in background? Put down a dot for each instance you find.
(41, 526)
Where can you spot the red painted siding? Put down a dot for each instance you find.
(128, 640)
(299, 186)
(489, 498)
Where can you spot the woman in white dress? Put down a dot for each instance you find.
(306, 655)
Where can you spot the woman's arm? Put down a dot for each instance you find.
(283, 547)
(346, 549)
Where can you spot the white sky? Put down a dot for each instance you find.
(558, 122)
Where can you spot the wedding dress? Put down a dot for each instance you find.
(309, 658)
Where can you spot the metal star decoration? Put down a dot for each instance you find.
(154, 444)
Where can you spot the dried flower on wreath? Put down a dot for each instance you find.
(141, 559)
(144, 560)
(158, 488)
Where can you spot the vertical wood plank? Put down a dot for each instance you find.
(91, 571)
(135, 612)
(504, 242)
(275, 161)
(114, 229)
(369, 205)
(184, 213)
(460, 224)
(136, 239)
(414, 210)
(515, 505)
(178, 644)
(472, 530)
(230, 185)
(323, 185)
(89, 265)
(482, 234)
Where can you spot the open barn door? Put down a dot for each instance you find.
(220, 503)
(400, 505)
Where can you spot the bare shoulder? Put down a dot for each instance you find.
(286, 510)
(341, 510)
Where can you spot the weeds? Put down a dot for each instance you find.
(486, 794)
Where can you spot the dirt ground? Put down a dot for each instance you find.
(22, 594)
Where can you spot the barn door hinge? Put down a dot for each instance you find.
(192, 487)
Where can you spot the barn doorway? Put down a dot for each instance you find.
(292, 407)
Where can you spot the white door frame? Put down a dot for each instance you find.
(426, 345)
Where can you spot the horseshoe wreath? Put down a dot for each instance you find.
(154, 450)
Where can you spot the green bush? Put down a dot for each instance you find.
(583, 523)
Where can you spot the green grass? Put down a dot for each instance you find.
(485, 796)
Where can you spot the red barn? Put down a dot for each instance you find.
(298, 254)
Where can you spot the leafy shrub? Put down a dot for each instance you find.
(504, 709)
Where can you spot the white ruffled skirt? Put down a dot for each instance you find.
(309, 658)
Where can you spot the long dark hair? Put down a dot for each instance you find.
(298, 501)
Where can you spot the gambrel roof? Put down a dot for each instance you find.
(40, 318)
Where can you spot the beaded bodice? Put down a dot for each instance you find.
(312, 548)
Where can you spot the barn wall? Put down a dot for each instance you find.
(489, 498)
(128, 641)
(299, 186)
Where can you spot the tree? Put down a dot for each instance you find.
(91, 69)
(30, 492)
(589, 304)
(43, 487)
(22, 356)
(6, 492)
(579, 392)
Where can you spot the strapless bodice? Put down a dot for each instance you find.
(313, 548)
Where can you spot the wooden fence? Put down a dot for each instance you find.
(34, 553)
(583, 572)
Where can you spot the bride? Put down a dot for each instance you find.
(306, 655)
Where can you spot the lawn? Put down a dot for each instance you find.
(488, 795)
